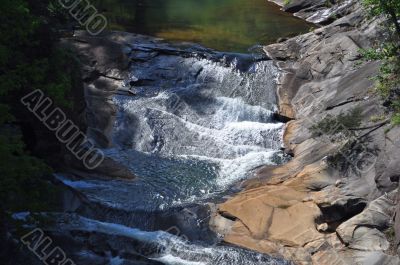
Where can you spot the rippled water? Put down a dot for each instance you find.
(205, 126)
(226, 25)
(195, 128)
(199, 122)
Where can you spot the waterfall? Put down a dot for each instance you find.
(197, 124)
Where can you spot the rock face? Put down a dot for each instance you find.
(317, 11)
(332, 203)
(104, 67)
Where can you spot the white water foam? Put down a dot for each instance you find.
(233, 138)
(78, 184)
(21, 216)
(172, 260)
(224, 117)
(235, 110)
(116, 261)
(233, 170)
(167, 248)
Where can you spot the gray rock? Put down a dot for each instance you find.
(363, 231)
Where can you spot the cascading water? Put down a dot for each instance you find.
(199, 122)
(207, 116)
(164, 247)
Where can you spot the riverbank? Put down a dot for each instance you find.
(331, 204)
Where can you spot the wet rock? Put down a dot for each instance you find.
(191, 222)
(297, 5)
(107, 169)
(113, 169)
(104, 67)
(319, 11)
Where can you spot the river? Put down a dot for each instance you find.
(199, 123)
(225, 25)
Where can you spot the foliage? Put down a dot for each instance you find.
(336, 124)
(388, 52)
(396, 119)
(388, 8)
(388, 78)
(287, 2)
(329, 3)
(29, 59)
(22, 182)
(354, 154)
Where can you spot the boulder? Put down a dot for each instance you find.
(364, 231)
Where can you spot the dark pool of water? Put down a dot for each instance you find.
(227, 25)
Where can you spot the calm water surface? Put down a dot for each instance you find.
(227, 25)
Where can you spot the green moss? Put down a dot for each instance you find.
(395, 121)
(377, 118)
(387, 52)
(287, 2)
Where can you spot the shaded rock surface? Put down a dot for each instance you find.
(89, 241)
(104, 67)
(332, 203)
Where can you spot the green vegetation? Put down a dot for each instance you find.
(23, 182)
(329, 3)
(354, 154)
(29, 59)
(396, 119)
(388, 8)
(331, 125)
(388, 52)
(353, 151)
